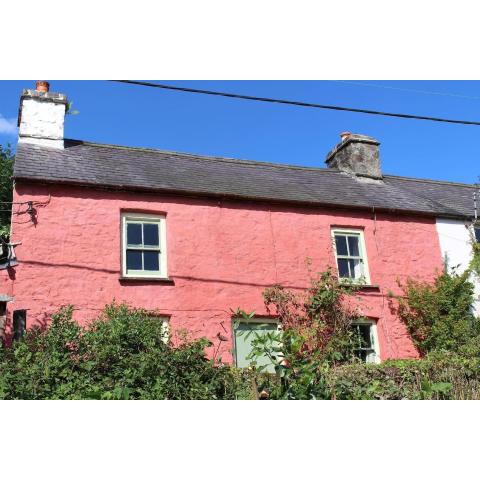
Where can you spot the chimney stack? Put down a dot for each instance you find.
(41, 117)
(356, 155)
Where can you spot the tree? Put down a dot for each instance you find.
(6, 188)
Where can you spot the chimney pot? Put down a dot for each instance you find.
(344, 135)
(42, 86)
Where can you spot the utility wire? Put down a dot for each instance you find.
(291, 102)
(411, 90)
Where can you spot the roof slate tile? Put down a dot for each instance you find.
(112, 166)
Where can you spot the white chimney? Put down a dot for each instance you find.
(42, 116)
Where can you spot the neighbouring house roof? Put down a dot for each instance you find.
(131, 168)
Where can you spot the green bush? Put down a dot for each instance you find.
(437, 376)
(313, 353)
(439, 316)
(316, 335)
(121, 355)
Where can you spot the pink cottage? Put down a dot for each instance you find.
(194, 237)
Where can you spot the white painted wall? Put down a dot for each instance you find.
(455, 243)
(42, 122)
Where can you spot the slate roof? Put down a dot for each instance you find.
(110, 166)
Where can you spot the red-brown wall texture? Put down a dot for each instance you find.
(221, 255)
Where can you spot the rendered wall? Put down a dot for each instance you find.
(42, 121)
(221, 255)
(455, 243)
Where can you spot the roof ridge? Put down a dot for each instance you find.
(206, 157)
(429, 180)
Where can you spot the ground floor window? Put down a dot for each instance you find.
(244, 334)
(476, 231)
(19, 324)
(7, 255)
(165, 328)
(366, 341)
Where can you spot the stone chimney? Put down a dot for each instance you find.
(41, 116)
(356, 155)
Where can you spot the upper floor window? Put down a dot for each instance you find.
(144, 252)
(350, 254)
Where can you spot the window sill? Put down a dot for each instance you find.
(165, 281)
(367, 287)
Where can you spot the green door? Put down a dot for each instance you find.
(245, 333)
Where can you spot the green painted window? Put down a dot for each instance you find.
(245, 333)
(477, 234)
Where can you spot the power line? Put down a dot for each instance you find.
(411, 90)
(295, 103)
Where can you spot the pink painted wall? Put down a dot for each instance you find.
(221, 255)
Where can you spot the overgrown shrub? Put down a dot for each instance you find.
(437, 376)
(445, 376)
(314, 357)
(315, 334)
(439, 315)
(316, 324)
(121, 355)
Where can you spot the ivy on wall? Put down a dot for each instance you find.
(475, 261)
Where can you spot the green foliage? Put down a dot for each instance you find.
(121, 355)
(6, 186)
(314, 357)
(475, 261)
(439, 316)
(315, 335)
(438, 376)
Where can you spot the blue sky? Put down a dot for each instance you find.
(139, 116)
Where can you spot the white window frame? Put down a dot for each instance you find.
(374, 357)
(365, 277)
(128, 217)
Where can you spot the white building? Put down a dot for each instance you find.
(456, 242)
